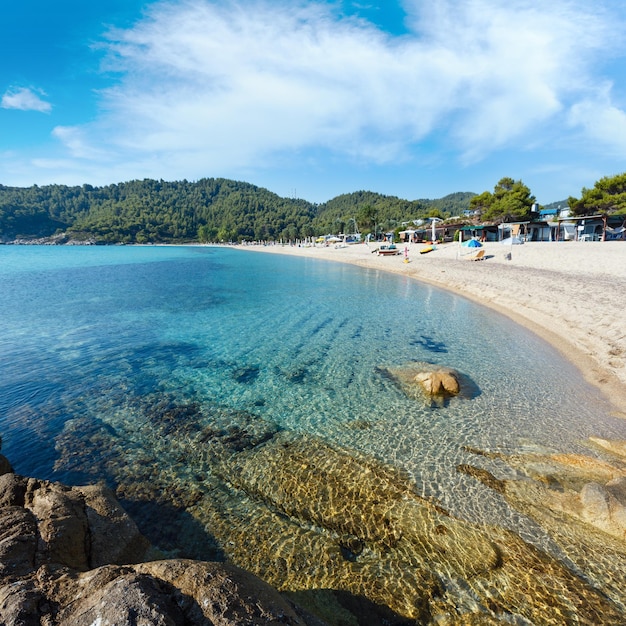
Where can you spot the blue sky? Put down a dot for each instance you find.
(413, 98)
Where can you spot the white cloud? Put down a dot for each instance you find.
(602, 121)
(76, 141)
(25, 99)
(211, 86)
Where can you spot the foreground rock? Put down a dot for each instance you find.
(71, 557)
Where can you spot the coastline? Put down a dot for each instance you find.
(571, 294)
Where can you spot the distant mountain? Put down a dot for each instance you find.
(452, 204)
(561, 204)
(389, 211)
(211, 209)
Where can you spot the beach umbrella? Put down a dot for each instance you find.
(472, 243)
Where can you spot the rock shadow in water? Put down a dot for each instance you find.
(246, 374)
(342, 607)
(174, 530)
(430, 344)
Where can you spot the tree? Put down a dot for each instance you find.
(367, 215)
(607, 197)
(510, 201)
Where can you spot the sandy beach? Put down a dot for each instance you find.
(572, 294)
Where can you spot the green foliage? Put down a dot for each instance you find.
(608, 196)
(452, 205)
(510, 201)
(209, 210)
(374, 211)
(39, 211)
(153, 211)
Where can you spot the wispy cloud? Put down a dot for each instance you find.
(602, 121)
(25, 99)
(76, 142)
(221, 85)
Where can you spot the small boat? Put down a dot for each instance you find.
(427, 249)
(388, 250)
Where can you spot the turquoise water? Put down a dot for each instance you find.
(297, 341)
(91, 333)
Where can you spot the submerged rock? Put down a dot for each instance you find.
(411, 551)
(616, 447)
(579, 500)
(335, 527)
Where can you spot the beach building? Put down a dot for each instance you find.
(598, 227)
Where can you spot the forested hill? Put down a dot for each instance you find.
(211, 209)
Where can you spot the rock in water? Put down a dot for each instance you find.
(434, 382)
(580, 501)
(441, 382)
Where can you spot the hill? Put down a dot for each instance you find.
(211, 209)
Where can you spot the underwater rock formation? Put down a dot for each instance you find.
(329, 526)
(579, 500)
(590, 489)
(403, 538)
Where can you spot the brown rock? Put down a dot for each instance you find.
(12, 490)
(594, 469)
(61, 522)
(78, 527)
(21, 603)
(18, 542)
(603, 510)
(114, 536)
(160, 593)
(129, 598)
(419, 379)
(50, 535)
(442, 382)
(616, 446)
(219, 593)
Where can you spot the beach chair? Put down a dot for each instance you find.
(478, 256)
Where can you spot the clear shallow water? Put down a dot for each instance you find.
(87, 332)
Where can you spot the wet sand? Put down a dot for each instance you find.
(572, 294)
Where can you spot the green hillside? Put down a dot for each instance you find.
(211, 209)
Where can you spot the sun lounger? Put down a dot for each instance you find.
(479, 256)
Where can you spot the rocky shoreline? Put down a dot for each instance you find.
(61, 239)
(71, 556)
(337, 536)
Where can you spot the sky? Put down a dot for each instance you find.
(313, 99)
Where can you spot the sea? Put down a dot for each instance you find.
(96, 335)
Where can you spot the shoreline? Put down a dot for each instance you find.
(571, 294)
